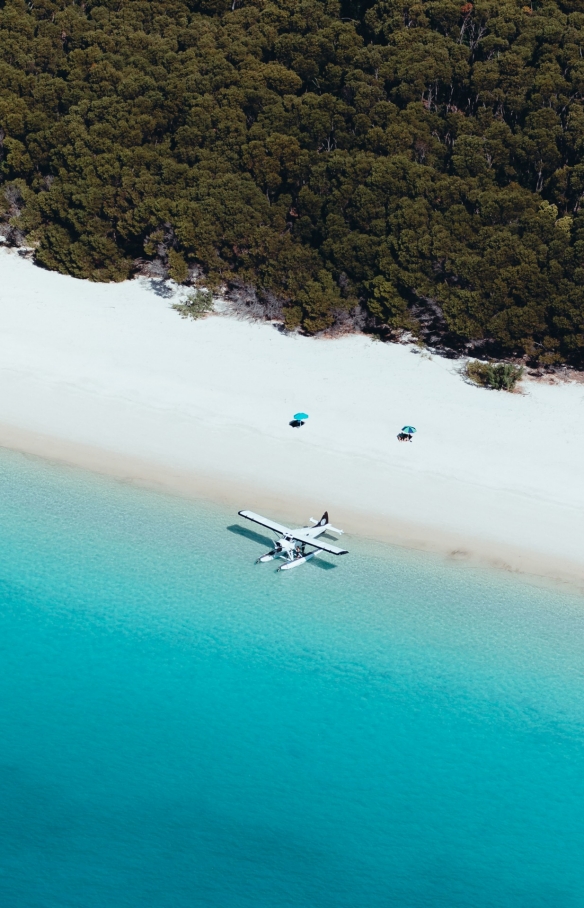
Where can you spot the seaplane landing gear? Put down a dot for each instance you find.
(273, 553)
(296, 558)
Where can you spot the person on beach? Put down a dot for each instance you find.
(406, 434)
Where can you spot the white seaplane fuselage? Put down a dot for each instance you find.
(291, 544)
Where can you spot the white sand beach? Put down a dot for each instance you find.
(109, 377)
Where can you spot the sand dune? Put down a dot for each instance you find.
(110, 377)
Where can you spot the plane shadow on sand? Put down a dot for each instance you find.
(265, 540)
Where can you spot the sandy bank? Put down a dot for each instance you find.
(111, 378)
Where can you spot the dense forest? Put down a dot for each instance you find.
(418, 166)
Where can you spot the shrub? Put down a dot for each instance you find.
(499, 376)
(196, 305)
(177, 267)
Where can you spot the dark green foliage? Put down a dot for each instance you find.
(178, 269)
(421, 159)
(500, 377)
(196, 305)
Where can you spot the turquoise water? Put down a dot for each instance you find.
(180, 727)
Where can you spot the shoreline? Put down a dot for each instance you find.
(107, 377)
(230, 493)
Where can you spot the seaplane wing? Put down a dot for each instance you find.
(310, 540)
(265, 522)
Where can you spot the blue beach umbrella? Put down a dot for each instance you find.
(409, 429)
(305, 416)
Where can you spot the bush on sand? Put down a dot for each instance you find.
(499, 376)
(196, 305)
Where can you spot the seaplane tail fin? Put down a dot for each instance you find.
(323, 520)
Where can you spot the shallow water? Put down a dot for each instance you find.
(181, 727)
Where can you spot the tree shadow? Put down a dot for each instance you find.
(161, 288)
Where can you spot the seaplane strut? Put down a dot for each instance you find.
(291, 544)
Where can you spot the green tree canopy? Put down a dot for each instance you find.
(422, 160)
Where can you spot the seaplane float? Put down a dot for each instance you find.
(291, 544)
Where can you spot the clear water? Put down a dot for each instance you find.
(180, 727)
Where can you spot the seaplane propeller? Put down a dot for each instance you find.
(291, 544)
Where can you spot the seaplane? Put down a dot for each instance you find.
(291, 544)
